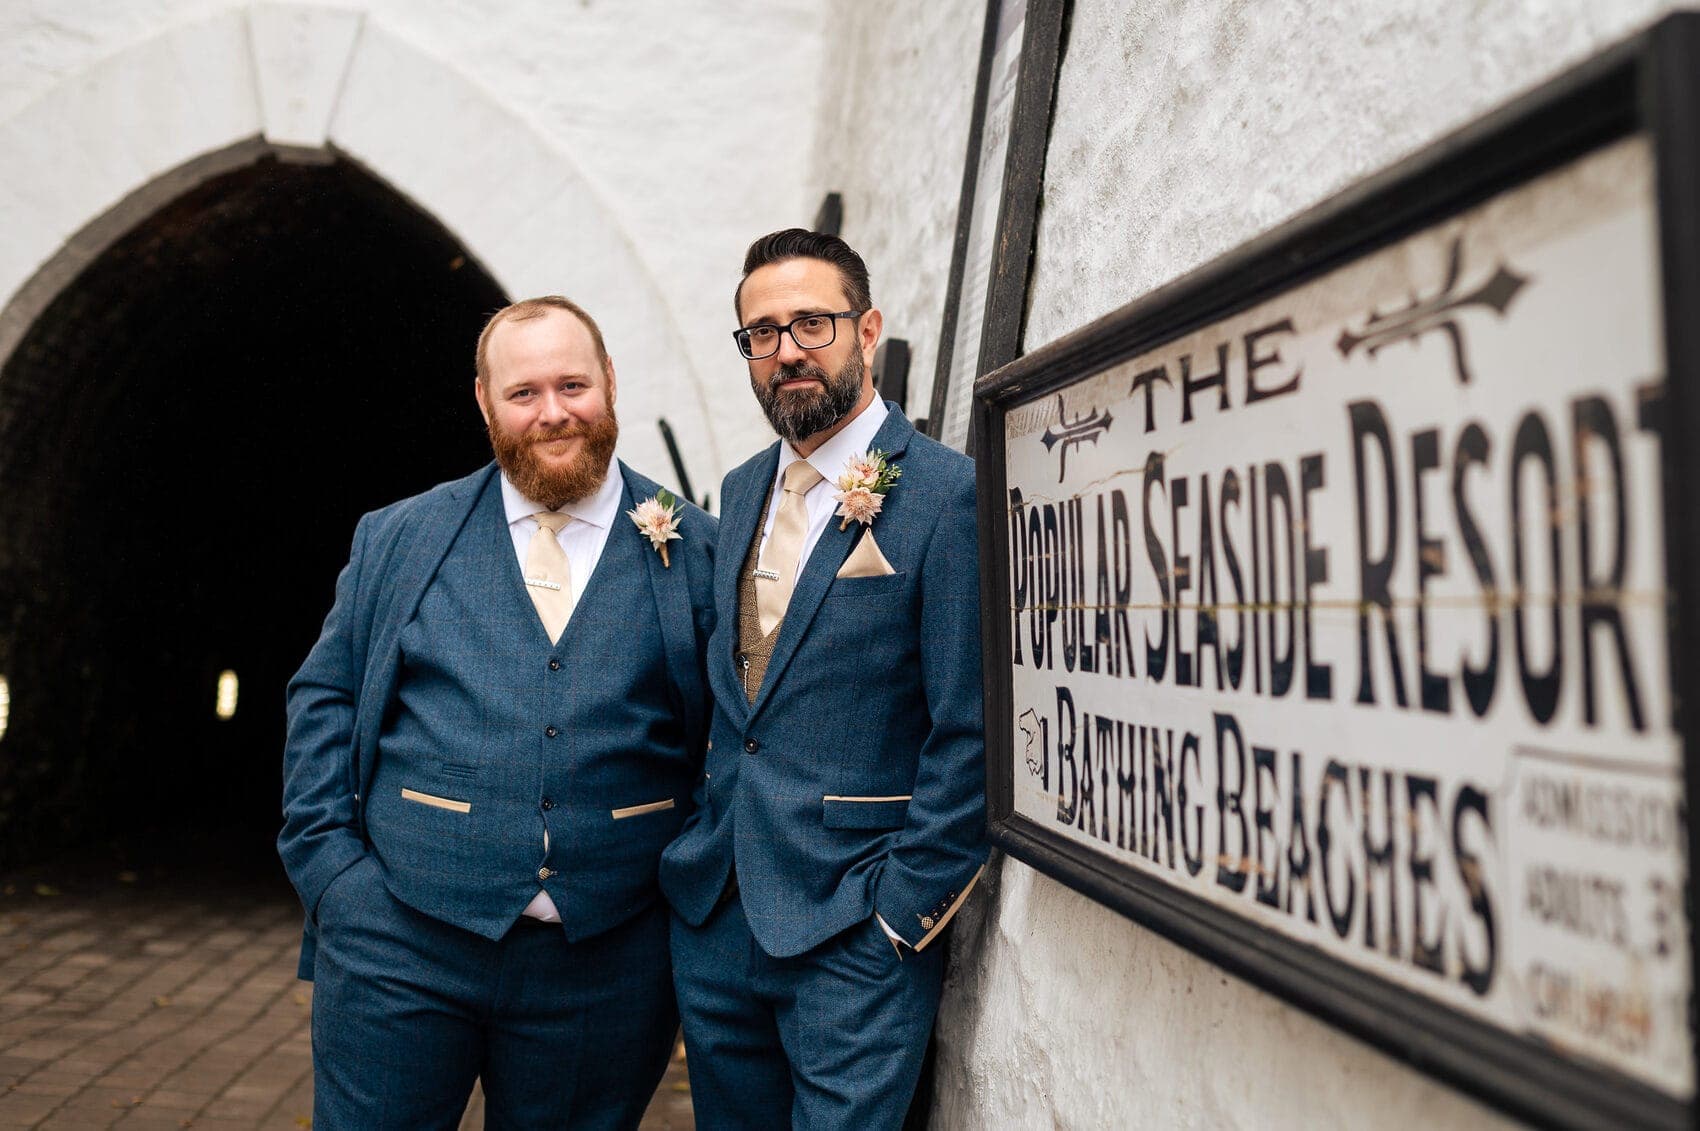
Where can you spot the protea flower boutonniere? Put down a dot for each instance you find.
(658, 518)
(862, 486)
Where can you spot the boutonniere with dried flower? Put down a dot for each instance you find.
(658, 518)
(862, 487)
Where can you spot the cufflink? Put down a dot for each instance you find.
(926, 922)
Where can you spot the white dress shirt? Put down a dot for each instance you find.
(829, 459)
(582, 541)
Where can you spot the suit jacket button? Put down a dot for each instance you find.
(544, 873)
(751, 746)
(926, 922)
(548, 803)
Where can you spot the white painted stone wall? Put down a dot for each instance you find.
(1182, 129)
(624, 153)
(893, 134)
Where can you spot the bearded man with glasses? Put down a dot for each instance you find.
(840, 821)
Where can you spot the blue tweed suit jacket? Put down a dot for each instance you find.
(338, 700)
(855, 782)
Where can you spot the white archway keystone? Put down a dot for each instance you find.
(301, 56)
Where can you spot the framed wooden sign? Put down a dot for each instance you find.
(1340, 601)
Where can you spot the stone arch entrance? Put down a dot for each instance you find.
(190, 430)
(112, 145)
(240, 311)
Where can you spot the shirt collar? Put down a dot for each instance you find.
(853, 439)
(598, 509)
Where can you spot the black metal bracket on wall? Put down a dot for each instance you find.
(891, 371)
(829, 217)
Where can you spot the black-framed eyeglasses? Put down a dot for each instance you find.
(809, 331)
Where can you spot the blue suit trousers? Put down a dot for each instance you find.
(830, 1039)
(408, 1011)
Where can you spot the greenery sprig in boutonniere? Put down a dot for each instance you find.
(658, 518)
(862, 487)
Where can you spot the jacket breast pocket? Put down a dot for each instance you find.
(882, 586)
(841, 812)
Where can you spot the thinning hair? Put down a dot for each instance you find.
(800, 243)
(527, 309)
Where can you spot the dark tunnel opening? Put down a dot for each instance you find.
(187, 436)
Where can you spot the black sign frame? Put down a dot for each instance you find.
(1647, 85)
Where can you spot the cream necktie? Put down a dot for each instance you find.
(547, 576)
(784, 546)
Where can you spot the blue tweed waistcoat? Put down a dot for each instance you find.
(498, 742)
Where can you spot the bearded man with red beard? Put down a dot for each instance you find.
(498, 731)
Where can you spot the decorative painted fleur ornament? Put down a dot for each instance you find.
(657, 517)
(862, 487)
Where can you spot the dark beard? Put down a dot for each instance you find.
(552, 487)
(798, 414)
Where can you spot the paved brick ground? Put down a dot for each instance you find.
(166, 998)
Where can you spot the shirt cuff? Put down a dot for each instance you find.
(889, 933)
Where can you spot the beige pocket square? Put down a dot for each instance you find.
(866, 560)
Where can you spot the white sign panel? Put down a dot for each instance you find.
(1348, 615)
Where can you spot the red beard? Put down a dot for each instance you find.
(551, 485)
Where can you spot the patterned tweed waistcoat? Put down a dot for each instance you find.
(754, 649)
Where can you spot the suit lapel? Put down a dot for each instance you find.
(419, 550)
(738, 527)
(671, 590)
(743, 501)
(825, 560)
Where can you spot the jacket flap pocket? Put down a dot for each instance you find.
(839, 812)
(640, 810)
(436, 802)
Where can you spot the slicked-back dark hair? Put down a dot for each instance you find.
(800, 243)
